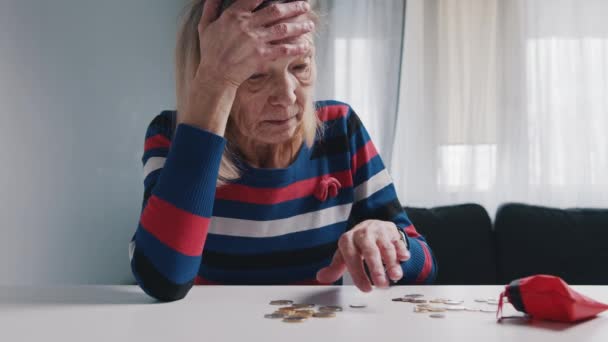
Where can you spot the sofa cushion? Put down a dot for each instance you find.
(462, 240)
(571, 244)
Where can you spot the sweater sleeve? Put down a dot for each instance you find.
(375, 198)
(180, 177)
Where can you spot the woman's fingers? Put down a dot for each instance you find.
(334, 271)
(354, 262)
(284, 50)
(371, 254)
(286, 30)
(278, 12)
(210, 13)
(389, 256)
(402, 253)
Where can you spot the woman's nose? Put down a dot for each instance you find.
(284, 92)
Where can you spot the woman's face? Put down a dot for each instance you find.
(270, 105)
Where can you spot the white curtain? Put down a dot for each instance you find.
(502, 101)
(359, 58)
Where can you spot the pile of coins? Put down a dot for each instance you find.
(442, 305)
(298, 313)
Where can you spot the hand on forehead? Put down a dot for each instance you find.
(265, 3)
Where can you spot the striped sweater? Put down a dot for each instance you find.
(272, 226)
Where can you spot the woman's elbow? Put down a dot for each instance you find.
(156, 285)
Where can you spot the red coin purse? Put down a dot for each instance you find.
(549, 298)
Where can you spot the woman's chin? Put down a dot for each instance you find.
(278, 135)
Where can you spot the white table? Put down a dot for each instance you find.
(222, 313)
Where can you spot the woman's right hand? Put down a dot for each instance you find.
(234, 46)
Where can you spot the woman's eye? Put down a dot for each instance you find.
(256, 77)
(300, 67)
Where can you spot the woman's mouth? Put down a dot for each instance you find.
(280, 122)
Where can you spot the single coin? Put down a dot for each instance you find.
(286, 309)
(420, 310)
(302, 306)
(471, 309)
(325, 314)
(281, 302)
(436, 309)
(306, 312)
(275, 315)
(294, 319)
(455, 308)
(397, 299)
(287, 313)
(453, 302)
(358, 306)
(438, 300)
(331, 308)
(437, 315)
(297, 315)
(481, 300)
(487, 310)
(419, 301)
(414, 295)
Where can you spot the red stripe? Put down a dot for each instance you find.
(332, 112)
(364, 155)
(411, 231)
(156, 141)
(426, 269)
(303, 188)
(176, 228)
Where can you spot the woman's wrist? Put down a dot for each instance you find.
(209, 106)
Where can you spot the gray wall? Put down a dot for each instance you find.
(79, 81)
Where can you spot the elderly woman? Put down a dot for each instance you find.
(252, 182)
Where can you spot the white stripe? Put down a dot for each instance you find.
(131, 250)
(373, 185)
(294, 224)
(153, 164)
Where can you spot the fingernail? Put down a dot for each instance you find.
(306, 6)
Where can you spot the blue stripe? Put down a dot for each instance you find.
(267, 212)
(413, 267)
(151, 179)
(304, 168)
(402, 220)
(261, 277)
(377, 200)
(358, 139)
(293, 241)
(365, 172)
(189, 177)
(175, 266)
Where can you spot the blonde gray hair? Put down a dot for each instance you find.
(187, 59)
